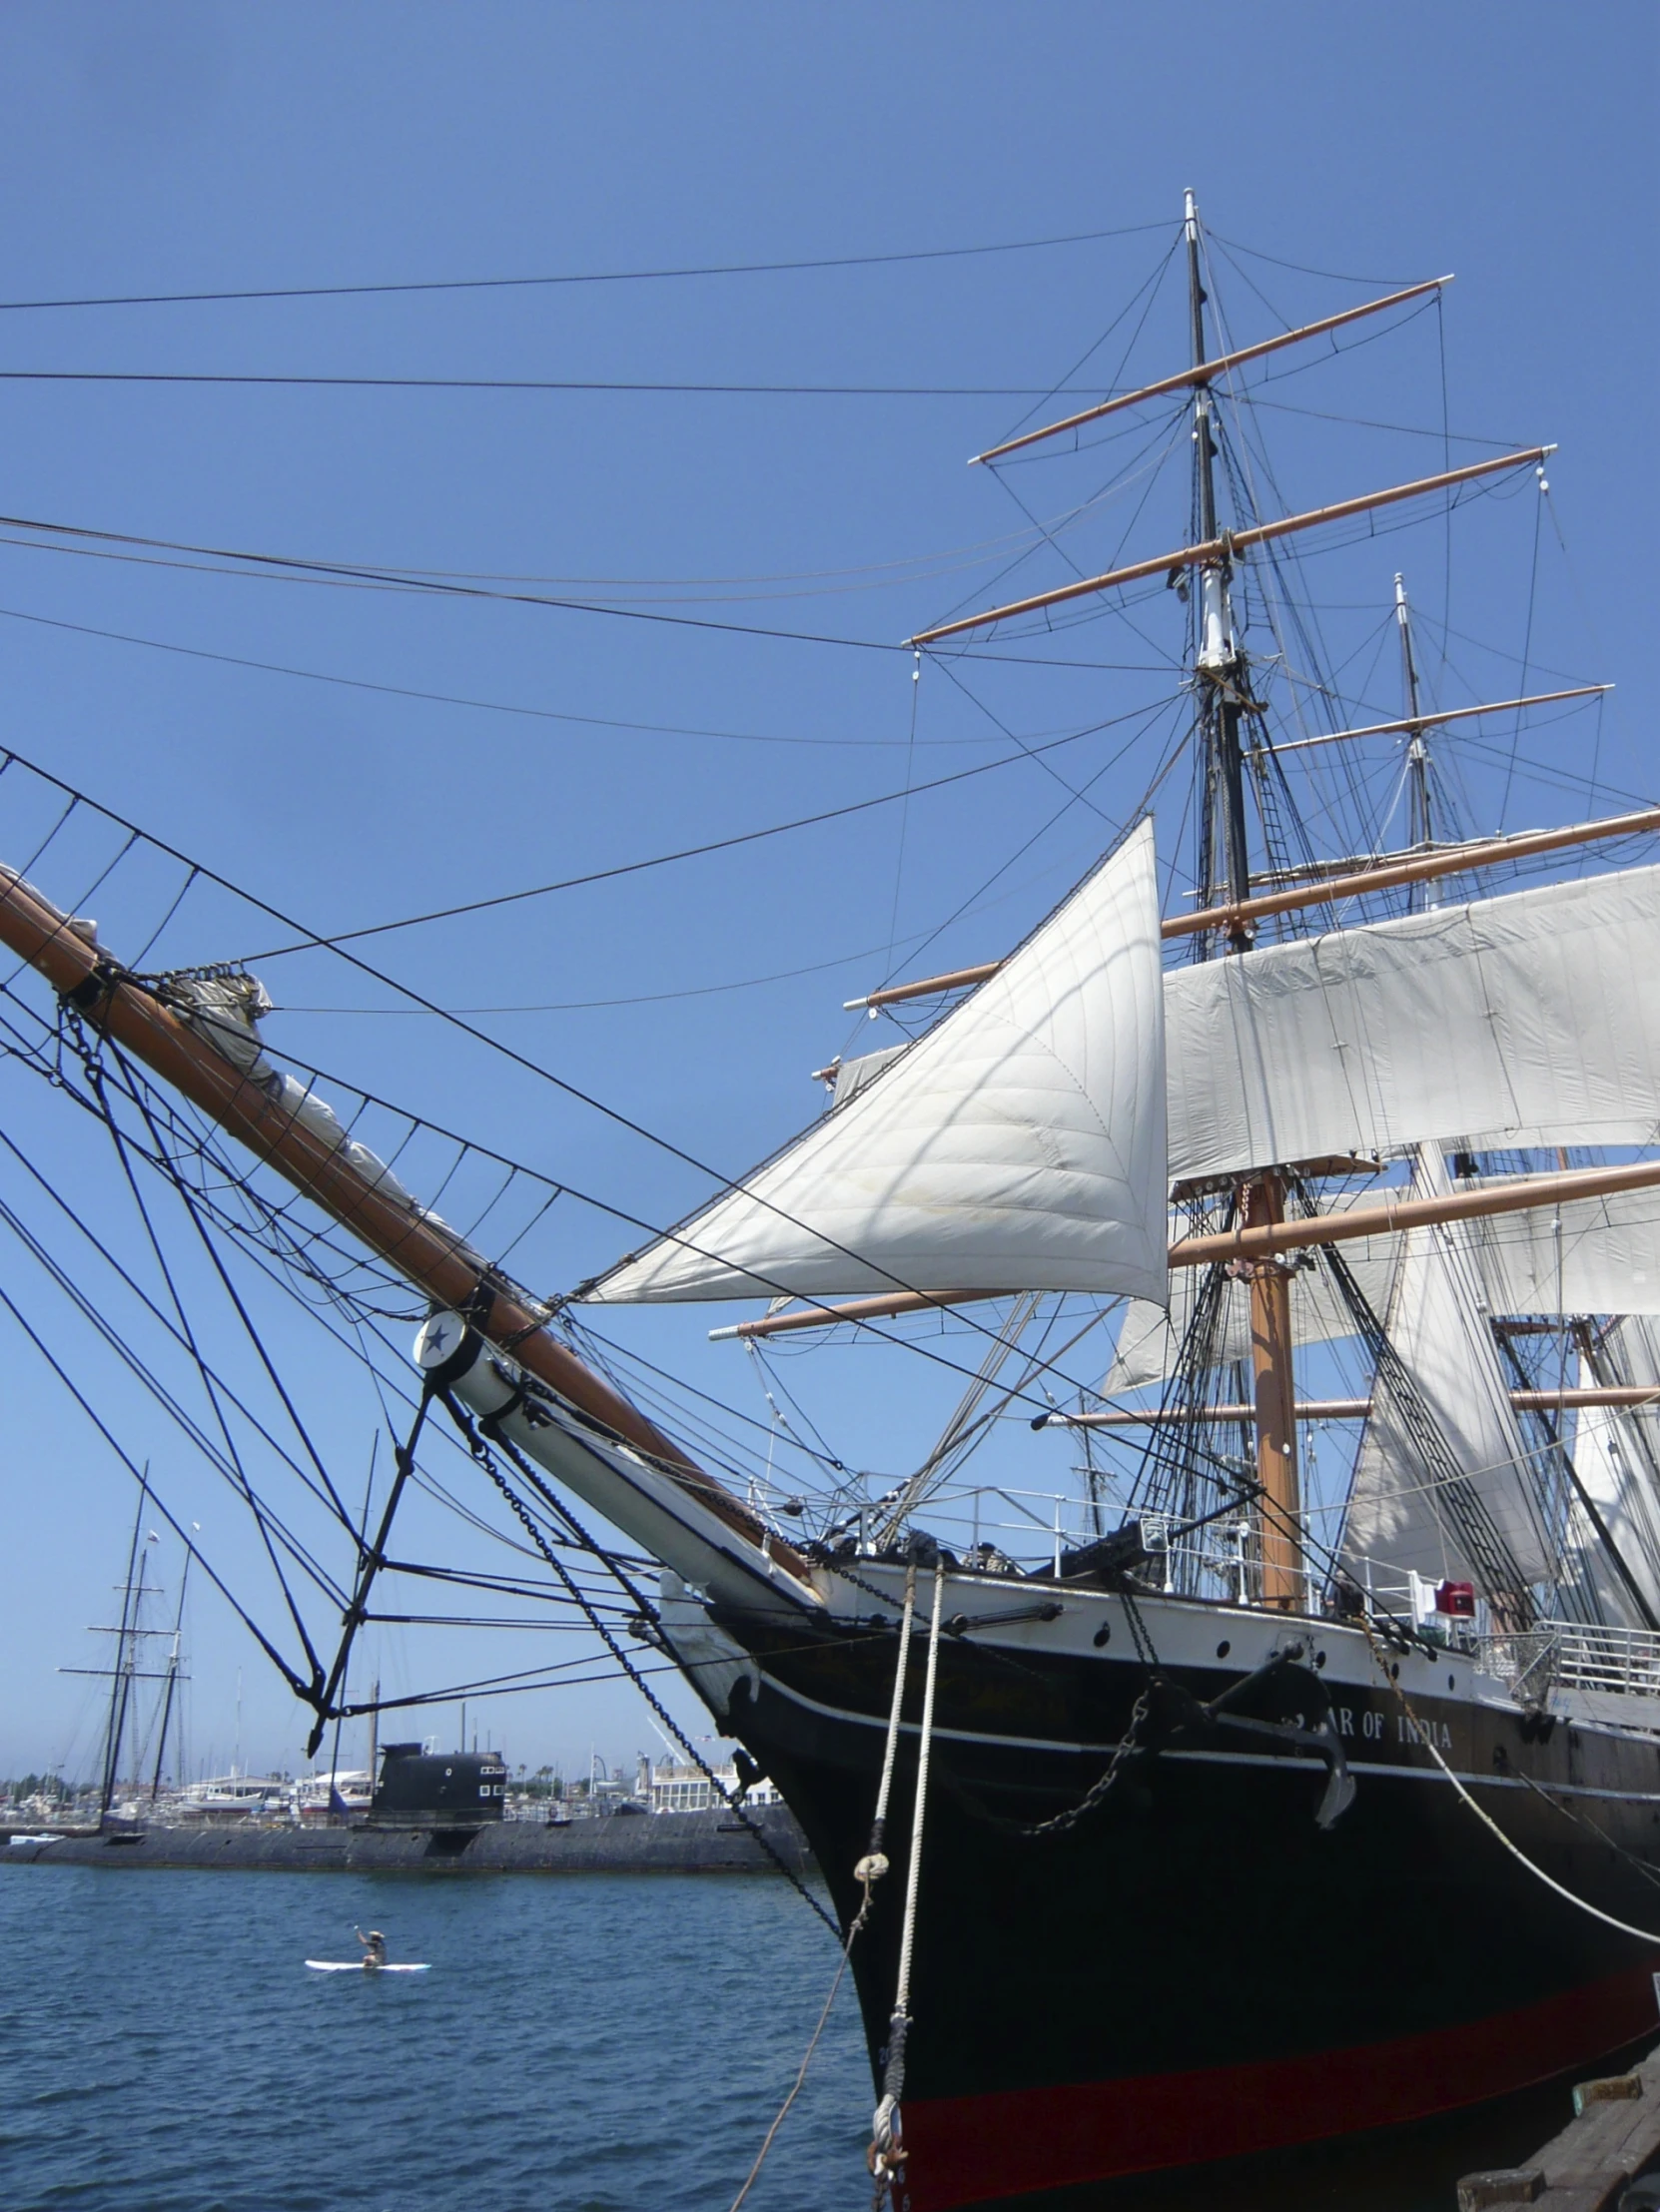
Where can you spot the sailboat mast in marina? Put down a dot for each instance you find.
(1355, 1143)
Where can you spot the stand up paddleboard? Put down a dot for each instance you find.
(360, 1967)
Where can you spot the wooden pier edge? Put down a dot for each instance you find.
(1612, 2138)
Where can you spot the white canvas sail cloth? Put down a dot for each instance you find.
(1151, 1336)
(1531, 1019)
(1591, 1256)
(1615, 1457)
(1399, 1517)
(1017, 1145)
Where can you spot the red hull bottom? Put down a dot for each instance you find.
(970, 2151)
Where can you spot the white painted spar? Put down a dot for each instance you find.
(652, 1505)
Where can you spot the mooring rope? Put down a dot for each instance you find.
(1421, 1731)
(868, 1871)
(886, 2156)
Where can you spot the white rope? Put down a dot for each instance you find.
(902, 1994)
(886, 2156)
(869, 1871)
(1643, 1934)
(886, 1784)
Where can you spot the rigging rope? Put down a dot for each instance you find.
(481, 1452)
(886, 2156)
(869, 1872)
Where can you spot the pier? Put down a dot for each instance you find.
(668, 1842)
(1602, 2161)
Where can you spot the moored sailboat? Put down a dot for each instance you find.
(1250, 1818)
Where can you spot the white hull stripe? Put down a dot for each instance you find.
(1296, 1763)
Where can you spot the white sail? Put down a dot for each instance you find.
(1588, 1255)
(1017, 1145)
(1151, 1337)
(1591, 1256)
(1531, 1019)
(1401, 1516)
(1616, 1460)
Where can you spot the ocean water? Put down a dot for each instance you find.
(604, 2043)
(596, 2043)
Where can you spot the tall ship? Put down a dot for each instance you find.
(1269, 1750)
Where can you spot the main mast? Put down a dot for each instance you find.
(1218, 667)
(1219, 686)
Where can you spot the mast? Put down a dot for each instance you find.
(1420, 831)
(1219, 680)
(172, 1683)
(1273, 1405)
(121, 1681)
(1218, 667)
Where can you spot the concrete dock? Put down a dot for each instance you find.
(664, 1842)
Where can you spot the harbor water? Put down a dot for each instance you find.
(593, 2043)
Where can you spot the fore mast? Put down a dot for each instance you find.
(1222, 691)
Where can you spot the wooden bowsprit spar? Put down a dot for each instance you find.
(490, 1342)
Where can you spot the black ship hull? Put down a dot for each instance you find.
(1197, 1970)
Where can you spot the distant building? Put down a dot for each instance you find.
(669, 1786)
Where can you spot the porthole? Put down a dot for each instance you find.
(1224, 1648)
(1103, 1635)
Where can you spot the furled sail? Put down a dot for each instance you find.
(1402, 1511)
(1616, 1455)
(1530, 1018)
(1017, 1145)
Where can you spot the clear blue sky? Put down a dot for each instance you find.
(195, 146)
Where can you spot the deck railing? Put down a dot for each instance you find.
(1562, 1654)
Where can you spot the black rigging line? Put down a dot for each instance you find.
(545, 1075)
(1528, 647)
(581, 276)
(301, 1688)
(107, 1256)
(188, 1197)
(118, 1135)
(1026, 752)
(1334, 276)
(518, 384)
(152, 1382)
(294, 570)
(491, 706)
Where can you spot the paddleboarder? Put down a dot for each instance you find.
(375, 1947)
